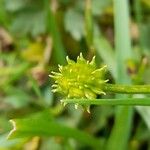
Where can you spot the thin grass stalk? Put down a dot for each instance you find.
(119, 137)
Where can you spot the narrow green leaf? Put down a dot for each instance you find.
(42, 124)
(119, 137)
(52, 28)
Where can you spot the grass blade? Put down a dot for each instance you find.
(118, 139)
(59, 52)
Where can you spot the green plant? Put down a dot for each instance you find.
(82, 81)
(35, 36)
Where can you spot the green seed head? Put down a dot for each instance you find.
(79, 79)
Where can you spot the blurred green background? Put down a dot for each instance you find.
(36, 36)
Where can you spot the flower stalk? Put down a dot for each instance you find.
(110, 102)
(127, 89)
(82, 80)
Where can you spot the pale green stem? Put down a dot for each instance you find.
(119, 101)
(127, 89)
(89, 23)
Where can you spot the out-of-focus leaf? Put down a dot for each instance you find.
(75, 116)
(74, 24)
(48, 96)
(3, 14)
(17, 98)
(29, 22)
(12, 75)
(42, 124)
(28, 17)
(145, 113)
(14, 144)
(52, 144)
(58, 144)
(34, 53)
(35, 87)
(146, 2)
(106, 52)
(100, 117)
(142, 134)
(14, 5)
(146, 35)
(4, 124)
(98, 6)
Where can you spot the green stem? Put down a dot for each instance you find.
(124, 115)
(127, 89)
(52, 28)
(119, 101)
(89, 23)
(138, 17)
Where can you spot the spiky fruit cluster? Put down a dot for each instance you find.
(79, 79)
